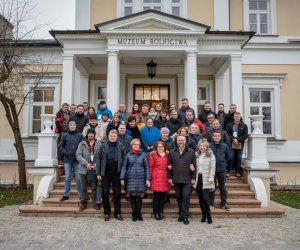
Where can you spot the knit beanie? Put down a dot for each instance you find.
(164, 130)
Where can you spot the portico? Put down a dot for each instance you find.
(193, 61)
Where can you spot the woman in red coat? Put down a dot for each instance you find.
(158, 162)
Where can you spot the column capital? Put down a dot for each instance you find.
(112, 52)
(236, 57)
(219, 76)
(68, 56)
(191, 53)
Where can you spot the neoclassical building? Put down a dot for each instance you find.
(245, 52)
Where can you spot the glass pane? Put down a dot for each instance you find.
(267, 113)
(262, 5)
(48, 109)
(155, 93)
(266, 96)
(176, 11)
(252, 5)
(128, 1)
(127, 11)
(38, 95)
(252, 18)
(102, 93)
(147, 8)
(37, 111)
(253, 27)
(201, 95)
(156, 1)
(175, 1)
(48, 95)
(267, 127)
(254, 96)
(254, 110)
(147, 93)
(164, 95)
(147, 1)
(263, 18)
(139, 93)
(157, 8)
(264, 28)
(36, 126)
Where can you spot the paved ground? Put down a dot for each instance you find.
(18, 232)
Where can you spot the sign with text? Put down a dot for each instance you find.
(152, 41)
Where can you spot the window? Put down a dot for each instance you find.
(128, 7)
(260, 16)
(152, 4)
(262, 96)
(176, 7)
(43, 103)
(204, 94)
(261, 102)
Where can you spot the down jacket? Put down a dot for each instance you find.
(159, 172)
(137, 169)
(208, 169)
(68, 145)
(83, 155)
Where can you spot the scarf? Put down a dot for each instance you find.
(185, 109)
(136, 151)
(112, 151)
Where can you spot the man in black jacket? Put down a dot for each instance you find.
(229, 117)
(80, 119)
(206, 111)
(182, 163)
(238, 133)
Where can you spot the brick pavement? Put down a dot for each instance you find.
(17, 232)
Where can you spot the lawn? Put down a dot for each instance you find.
(14, 196)
(289, 198)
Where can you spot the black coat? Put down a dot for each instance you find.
(228, 119)
(68, 145)
(224, 137)
(159, 123)
(134, 132)
(181, 172)
(203, 116)
(222, 154)
(173, 125)
(242, 132)
(81, 120)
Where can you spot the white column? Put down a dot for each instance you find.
(221, 15)
(113, 80)
(84, 87)
(190, 84)
(219, 80)
(67, 93)
(236, 89)
(180, 88)
(123, 89)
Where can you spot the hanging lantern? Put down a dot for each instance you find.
(151, 67)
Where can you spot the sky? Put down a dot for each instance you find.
(50, 14)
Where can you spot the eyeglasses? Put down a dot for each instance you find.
(136, 144)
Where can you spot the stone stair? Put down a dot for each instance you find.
(240, 199)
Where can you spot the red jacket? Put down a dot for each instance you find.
(159, 172)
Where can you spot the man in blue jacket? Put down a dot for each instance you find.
(223, 157)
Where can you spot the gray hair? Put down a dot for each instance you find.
(72, 123)
(113, 131)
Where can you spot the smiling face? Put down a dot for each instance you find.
(149, 123)
(216, 124)
(112, 137)
(189, 116)
(203, 147)
(135, 144)
(122, 129)
(181, 141)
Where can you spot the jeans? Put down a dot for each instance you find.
(237, 159)
(159, 199)
(183, 193)
(115, 181)
(68, 171)
(84, 185)
(202, 195)
(221, 177)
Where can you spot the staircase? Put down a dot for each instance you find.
(240, 199)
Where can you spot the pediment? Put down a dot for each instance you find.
(151, 20)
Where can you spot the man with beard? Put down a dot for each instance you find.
(174, 123)
(184, 107)
(80, 119)
(93, 124)
(190, 119)
(221, 114)
(206, 111)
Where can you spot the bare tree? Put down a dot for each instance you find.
(17, 59)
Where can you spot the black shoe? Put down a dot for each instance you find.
(97, 206)
(186, 221)
(64, 198)
(119, 217)
(209, 220)
(203, 217)
(139, 217)
(134, 217)
(180, 219)
(161, 215)
(106, 217)
(157, 217)
(82, 207)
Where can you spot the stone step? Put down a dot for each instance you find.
(34, 210)
(232, 194)
(234, 203)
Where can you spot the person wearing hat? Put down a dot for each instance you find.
(93, 124)
(169, 143)
(87, 168)
(68, 146)
(102, 124)
(101, 109)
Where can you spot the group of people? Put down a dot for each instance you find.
(150, 147)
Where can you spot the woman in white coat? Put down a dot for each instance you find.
(206, 168)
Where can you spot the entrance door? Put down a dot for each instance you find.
(152, 94)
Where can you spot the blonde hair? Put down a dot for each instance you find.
(134, 141)
(203, 141)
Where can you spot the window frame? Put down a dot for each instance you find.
(262, 82)
(50, 81)
(272, 17)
